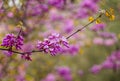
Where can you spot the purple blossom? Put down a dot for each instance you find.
(107, 35)
(112, 62)
(62, 71)
(19, 42)
(26, 56)
(96, 69)
(98, 41)
(65, 72)
(36, 9)
(57, 3)
(27, 48)
(109, 42)
(115, 58)
(105, 38)
(7, 53)
(90, 5)
(87, 7)
(53, 44)
(107, 64)
(10, 40)
(69, 25)
(98, 27)
(39, 9)
(73, 50)
(54, 15)
(82, 13)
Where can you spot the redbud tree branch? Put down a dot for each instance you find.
(34, 51)
(83, 27)
(22, 53)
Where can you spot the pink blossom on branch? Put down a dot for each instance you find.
(10, 41)
(53, 44)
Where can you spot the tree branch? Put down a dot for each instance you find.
(83, 27)
(22, 53)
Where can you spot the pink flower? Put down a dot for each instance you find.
(98, 41)
(109, 42)
(57, 3)
(27, 48)
(65, 72)
(98, 27)
(107, 64)
(53, 44)
(86, 7)
(10, 40)
(96, 69)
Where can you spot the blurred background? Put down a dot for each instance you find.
(89, 48)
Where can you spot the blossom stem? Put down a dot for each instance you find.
(22, 53)
(83, 27)
(34, 51)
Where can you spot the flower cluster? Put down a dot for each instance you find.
(73, 50)
(53, 44)
(36, 9)
(95, 69)
(26, 56)
(10, 41)
(86, 7)
(57, 3)
(65, 73)
(68, 25)
(112, 62)
(98, 27)
(27, 51)
(105, 38)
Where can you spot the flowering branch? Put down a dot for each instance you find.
(51, 45)
(22, 53)
(84, 27)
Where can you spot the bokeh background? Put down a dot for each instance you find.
(40, 18)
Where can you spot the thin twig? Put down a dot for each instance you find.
(83, 27)
(22, 53)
